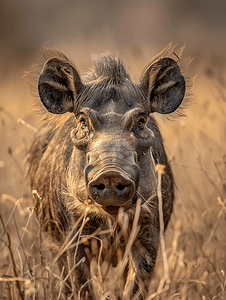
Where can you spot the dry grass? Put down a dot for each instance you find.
(195, 253)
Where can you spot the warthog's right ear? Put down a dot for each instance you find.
(58, 85)
(164, 86)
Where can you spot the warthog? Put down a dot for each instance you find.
(91, 171)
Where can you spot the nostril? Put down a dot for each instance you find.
(121, 187)
(100, 187)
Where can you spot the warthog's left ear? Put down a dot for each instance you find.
(164, 86)
(58, 85)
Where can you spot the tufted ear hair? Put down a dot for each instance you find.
(58, 86)
(164, 86)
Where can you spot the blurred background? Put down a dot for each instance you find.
(137, 30)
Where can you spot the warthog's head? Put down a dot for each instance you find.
(116, 142)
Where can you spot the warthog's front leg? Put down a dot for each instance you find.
(144, 252)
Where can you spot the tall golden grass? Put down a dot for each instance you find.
(191, 262)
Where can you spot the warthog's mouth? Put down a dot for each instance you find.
(114, 209)
(111, 209)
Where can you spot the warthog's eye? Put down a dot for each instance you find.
(83, 124)
(80, 135)
(82, 129)
(141, 123)
(140, 129)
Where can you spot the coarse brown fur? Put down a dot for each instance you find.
(58, 164)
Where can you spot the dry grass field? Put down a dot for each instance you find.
(195, 239)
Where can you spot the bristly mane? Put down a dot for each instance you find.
(108, 68)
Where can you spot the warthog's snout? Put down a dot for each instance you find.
(113, 183)
(111, 188)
